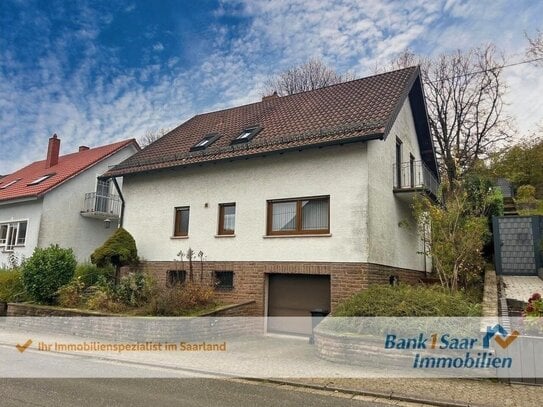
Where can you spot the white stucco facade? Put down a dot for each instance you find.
(339, 172)
(394, 238)
(56, 217)
(364, 212)
(29, 211)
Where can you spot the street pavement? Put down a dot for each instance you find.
(166, 392)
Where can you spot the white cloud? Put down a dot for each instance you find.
(158, 47)
(100, 101)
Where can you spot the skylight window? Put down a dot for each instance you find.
(247, 134)
(205, 142)
(9, 183)
(40, 179)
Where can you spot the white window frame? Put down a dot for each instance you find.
(4, 243)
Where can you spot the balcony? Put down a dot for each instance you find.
(414, 177)
(101, 206)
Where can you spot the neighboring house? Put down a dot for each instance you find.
(297, 202)
(60, 200)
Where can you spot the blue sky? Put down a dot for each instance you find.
(95, 72)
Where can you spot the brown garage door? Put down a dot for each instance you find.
(295, 295)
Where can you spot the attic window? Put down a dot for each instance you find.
(205, 142)
(10, 183)
(247, 134)
(40, 179)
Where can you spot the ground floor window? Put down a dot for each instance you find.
(224, 280)
(12, 234)
(176, 277)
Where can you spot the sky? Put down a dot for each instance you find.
(96, 72)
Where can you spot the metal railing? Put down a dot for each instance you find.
(414, 175)
(102, 203)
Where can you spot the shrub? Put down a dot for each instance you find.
(102, 299)
(533, 314)
(180, 300)
(525, 193)
(11, 286)
(134, 289)
(46, 271)
(406, 300)
(90, 274)
(71, 294)
(119, 250)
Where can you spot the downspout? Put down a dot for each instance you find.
(122, 200)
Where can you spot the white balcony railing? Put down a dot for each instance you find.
(414, 175)
(101, 205)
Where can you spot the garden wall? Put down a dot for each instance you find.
(91, 325)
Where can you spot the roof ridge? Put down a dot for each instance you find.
(302, 92)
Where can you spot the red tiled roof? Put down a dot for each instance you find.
(68, 166)
(362, 108)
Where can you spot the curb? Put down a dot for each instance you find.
(370, 393)
(359, 392)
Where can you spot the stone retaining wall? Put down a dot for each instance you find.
(90, 325)
(490, 294)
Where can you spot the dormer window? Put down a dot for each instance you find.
(9, 183)
(247, 134)
(40, 179)
(205, 142)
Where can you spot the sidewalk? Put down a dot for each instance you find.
(286, 354)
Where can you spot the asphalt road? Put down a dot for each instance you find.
(161, 392)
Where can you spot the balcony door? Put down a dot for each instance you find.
(102, 195)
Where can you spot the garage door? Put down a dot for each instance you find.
(296, 295)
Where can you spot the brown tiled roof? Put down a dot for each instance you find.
(363, 108)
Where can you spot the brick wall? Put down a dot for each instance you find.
(346, 279)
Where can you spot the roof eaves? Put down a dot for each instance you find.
(378, 134)
(90, 165)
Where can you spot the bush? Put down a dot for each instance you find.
(46, 271)
(405, 300)
(119, 250)
(102, 299)
(180, 300)
(90, 274)
(134, 289)
(11, 286)
(71, 294)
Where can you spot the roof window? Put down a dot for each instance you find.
(205, 142)
(247, 134)
(40, 179)
(9, 183)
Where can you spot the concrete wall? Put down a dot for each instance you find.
(62, 222)
(340, 172)
(391, 244)
(29, 211)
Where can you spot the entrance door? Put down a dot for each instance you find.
(296, 295)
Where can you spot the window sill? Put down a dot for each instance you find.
(179, 237)
(296, 236)
(220, 236)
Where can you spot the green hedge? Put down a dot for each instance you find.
(11, 286)
(407, 301)
(46, 271)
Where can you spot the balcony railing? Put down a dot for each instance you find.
(414, 175)
(101, 206)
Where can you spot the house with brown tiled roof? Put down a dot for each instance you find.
(296, 202)
(61, 200)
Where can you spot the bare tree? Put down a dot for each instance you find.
(313, 74)
(464, 95)
(151, 136)
(535, 47)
